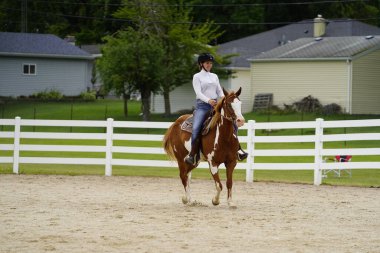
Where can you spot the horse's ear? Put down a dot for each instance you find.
(238, 92)
(225, 92)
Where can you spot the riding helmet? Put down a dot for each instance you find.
(205, 57)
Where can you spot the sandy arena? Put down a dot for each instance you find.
(133, 214)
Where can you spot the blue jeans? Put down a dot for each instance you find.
(202, 110)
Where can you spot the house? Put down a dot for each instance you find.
(341, 70)
(251, 46)
(31, 63)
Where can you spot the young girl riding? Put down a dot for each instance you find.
(207, 89)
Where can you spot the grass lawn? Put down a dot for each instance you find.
(361, 178)
(102, 109)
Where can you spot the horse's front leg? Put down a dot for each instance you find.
(185, 174)
(218, 185)
(229, 171)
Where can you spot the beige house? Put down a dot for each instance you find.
(252, 46)
(341, 70)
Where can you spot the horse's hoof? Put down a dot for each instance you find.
(215, 202)
(185, 200)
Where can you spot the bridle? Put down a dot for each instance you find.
(229, 111)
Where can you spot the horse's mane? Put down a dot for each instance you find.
(217, 110)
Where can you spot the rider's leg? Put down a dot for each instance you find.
(201, 112)
(241, 154)
(191, 157)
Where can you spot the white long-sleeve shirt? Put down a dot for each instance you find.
(206, 86)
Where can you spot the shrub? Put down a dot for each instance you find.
(88, 96)
(289, 108)
(331, 109)
(48, 95)
(308, 104)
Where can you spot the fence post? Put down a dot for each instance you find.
(318, 150)
(109, 143)
(251, 148)
(16, 145)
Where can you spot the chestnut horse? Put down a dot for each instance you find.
(219, 145)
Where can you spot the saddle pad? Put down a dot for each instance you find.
(187, 125)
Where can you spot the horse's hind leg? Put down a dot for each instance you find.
(185, 175)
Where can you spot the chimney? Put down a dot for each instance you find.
(70, 39)
(319, 26)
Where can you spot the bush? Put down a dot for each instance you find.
(48, 95)
(289, 108)
(331, 109)
(88, 96)
(308, 104)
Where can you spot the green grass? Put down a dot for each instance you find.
(102, 109)
(360, 178)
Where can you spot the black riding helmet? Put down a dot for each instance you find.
(205, 57)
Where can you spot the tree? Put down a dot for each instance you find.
(227, 12)
(88, 21)
(132, 61)
(170, 21)
(254, 16)
(91, 20)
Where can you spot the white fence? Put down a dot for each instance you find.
(318, 152)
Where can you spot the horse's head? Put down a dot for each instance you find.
(231, 107)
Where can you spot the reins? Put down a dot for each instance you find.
(217, 110)
(230, 118)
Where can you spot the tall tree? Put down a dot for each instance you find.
(246, 17)
(181, 39)
(88, 20)
(237, 18)
(361, 10)
(132, 61)
(91, 20)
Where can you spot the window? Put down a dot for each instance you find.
(29, 69)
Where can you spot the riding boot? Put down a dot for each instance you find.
(191, 158)
(242, 154)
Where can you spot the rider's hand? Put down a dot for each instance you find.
(212, 102)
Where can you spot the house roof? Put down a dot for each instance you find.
(249, 47)
(321, 48)
(93, 49)
(41, 45)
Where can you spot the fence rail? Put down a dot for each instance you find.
(318, 152)
(108, 149)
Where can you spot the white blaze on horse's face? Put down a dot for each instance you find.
(236, 106)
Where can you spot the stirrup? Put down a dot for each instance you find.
(190, 160)
(243, 156)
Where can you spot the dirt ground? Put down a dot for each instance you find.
(134, 214)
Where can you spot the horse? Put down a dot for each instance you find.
(218, 146)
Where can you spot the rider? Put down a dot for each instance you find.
(207, 89)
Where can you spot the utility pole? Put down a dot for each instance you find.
(24, 16)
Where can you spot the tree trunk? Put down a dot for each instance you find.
(167, 102)
(145, 98)
(126, 98)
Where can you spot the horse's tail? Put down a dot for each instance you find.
(167, 142)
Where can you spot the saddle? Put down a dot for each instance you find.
(187, 125)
